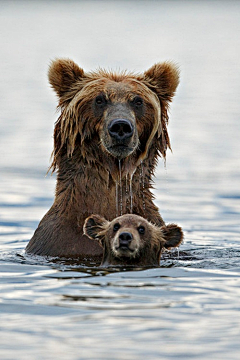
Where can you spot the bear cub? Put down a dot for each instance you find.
(131, 240)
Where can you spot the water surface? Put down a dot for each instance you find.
(189, 307)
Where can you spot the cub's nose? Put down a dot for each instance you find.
(125, 239)
(120, 129)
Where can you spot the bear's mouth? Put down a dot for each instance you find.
(120, 151)
(124, 249)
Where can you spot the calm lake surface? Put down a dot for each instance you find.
(189, 308)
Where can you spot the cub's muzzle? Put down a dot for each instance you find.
(125, 239)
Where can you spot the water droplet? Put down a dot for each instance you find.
(120, 187)
(116, 189)
(143, 186)
(127, 193)
(131, 193)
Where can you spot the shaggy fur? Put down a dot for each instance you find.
(97, 172)
(131, 239)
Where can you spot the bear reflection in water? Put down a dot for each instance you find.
(131, 240)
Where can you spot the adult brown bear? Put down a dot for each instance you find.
(111, 130)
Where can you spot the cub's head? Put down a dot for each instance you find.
(111, 115)
(131, 239)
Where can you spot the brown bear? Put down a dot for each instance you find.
(131, 239)
(111, 130)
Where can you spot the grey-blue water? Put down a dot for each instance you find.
(189, 308)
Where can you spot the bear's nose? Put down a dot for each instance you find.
(120, 129)
(124, 239)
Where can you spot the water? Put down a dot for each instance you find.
(143, 186)
(120, 188)
(117, 201)
(189, 307)
(131, 191)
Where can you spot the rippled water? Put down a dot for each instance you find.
(189, 307)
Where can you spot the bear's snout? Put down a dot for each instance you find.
(120, 129)
(125, 239)
(119, 134)
(126, 243)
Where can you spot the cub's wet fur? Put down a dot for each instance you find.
(131, 240)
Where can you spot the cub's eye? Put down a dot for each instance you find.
(138, 101)
(100, 100)
(116, 227)
(141, 229)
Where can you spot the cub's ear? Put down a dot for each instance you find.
(62, 74)
(173, 235)
(163, 79)
(94, 227)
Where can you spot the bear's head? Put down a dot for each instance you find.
(131, 240)
(113, 116)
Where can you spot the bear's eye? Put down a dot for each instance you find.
(100, 100)
(116, 227)
(141, 229)
(138, 101)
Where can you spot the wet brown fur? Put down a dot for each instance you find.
(86, 172)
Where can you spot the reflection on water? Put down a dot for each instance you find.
(79, 310)
(119, 314)
(187, 308)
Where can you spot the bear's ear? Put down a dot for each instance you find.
(62, 74)
(173, 235)
(94, 227)
(163, 79)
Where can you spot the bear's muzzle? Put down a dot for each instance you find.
(120, 130)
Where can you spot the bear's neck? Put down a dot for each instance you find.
(90, 188)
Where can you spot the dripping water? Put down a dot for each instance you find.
(116, 198)
(143, 186)
(126, 192)
(120, 188)
(131, 193)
